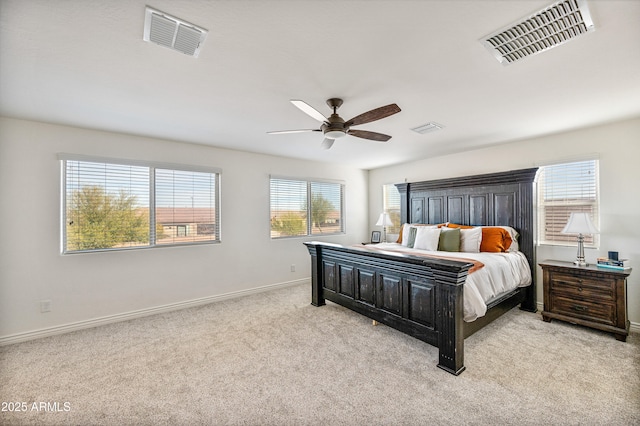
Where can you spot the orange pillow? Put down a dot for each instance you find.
(495, 240)
(455, 225)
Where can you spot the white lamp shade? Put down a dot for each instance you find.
(384, 220)
(580, 223)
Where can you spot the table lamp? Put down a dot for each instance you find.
(384, 220)
(580, 223)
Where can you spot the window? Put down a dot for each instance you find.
(111, 205)
(391, 205)
(563, 189)
(301, 208)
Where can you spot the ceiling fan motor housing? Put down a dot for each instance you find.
(334, 128)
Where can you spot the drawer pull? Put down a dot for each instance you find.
(580, 308)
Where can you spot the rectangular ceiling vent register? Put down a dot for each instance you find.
(543, 30)
(427, 128)
(173, 33)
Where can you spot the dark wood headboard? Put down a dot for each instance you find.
(505, 198)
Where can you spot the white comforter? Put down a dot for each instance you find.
(502, 272)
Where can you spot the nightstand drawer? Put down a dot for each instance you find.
(600, 312)
(583, 287)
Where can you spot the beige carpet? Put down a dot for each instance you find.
(273, 359)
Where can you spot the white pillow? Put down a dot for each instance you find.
(427, 238)
(405, 234)
(470, 240)
(406, 231)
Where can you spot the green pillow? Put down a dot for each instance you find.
(412, 236)
(449, 239)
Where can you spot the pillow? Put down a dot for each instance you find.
(514, 238)
(411, 240)
(449, 239)
(495, 239)
(455, 225)
(404, 232)
(470, 239)
(427, 238)
(399, 240)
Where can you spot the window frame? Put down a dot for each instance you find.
(591, 241)
(309, 199)
(152, 166)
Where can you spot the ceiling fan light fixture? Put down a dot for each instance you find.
(334, 134)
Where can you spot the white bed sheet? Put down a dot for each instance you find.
(502, 272)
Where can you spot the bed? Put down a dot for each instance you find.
(423, 294)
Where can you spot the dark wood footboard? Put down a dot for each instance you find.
(420, 297)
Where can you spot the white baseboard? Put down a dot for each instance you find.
(95, 322)
(634, 327)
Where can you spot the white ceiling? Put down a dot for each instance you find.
(84, 63)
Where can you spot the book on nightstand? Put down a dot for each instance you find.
(621, 264)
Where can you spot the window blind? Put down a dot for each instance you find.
(107, 206)
(391, 205)
(303, 207)
(115, 205)
(326, 208)
(185, 206)
(563, 189)
(288, 208)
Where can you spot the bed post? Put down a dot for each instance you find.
(317, 298)
(404, 202)
(527, 226)
(450, 319)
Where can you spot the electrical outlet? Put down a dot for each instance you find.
(45, 306)
(293, 268)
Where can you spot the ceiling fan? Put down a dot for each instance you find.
(334, 127)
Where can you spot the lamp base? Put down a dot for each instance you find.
(580, 257)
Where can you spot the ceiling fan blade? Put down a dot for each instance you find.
(309, 110)
(374, 114)
(364, 134)
(327, 143)
(281, 132)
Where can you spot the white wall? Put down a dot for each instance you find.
(616, 145)
(83, 287)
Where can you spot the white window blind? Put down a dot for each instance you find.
(185, 206)
(107, 206)
(326, 208)
(288, 208)
(391, 202)
(563, 189)
(301, 207)
(114, 205)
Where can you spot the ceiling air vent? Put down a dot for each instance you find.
(426, 128)
(173, 33)
(543, 30)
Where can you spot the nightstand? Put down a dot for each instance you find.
(586, 295)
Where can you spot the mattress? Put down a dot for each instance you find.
(501, 273)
